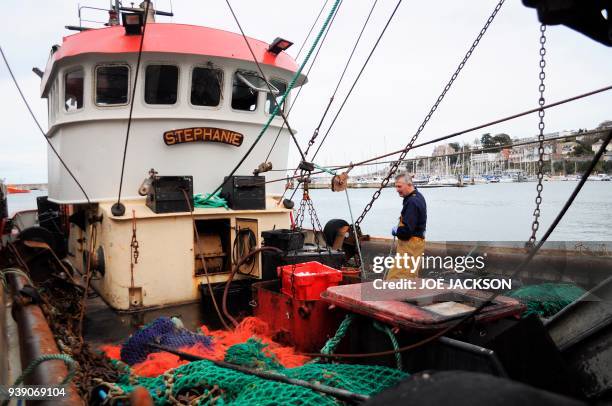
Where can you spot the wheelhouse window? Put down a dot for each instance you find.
(73, 90)
(245, 90)
(206, 85)
(282, 88)
(161, 84)
(112, 84)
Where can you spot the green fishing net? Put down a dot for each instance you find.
(206, 201)
(546, 299)
(214, 385)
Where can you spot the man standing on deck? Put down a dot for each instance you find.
(410, 231)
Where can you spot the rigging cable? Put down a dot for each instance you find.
(8, 67)
(358, 77)
(458, 133)
(471, 151)
(533, 251)
(118, 209)
(316, 133)
(314, 59)
(289, 87)
(263, 76)
(311, 28)
(331, 99)
(408, 147)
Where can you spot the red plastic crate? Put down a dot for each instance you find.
(309, 279)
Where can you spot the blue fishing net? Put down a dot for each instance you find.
(162, 331)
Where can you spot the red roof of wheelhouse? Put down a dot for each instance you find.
(171, 38)
(176, 38)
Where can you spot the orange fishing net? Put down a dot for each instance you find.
(251, 327)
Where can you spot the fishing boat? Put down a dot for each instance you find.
(600, 177)
(420, 179)
(13, 190)
(443, 181)
(506, 179)
(167, 266)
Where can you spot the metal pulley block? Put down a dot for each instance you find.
(306, 166)
(146, 185)
(263, 167)
(304, 180)
(339, 182)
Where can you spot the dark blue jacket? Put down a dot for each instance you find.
(414, 217)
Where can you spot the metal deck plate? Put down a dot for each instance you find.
(419, 309)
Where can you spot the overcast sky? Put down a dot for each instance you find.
(419, 52)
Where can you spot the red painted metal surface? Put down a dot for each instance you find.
(168, 38)
(175, 38)
(306, 325)
(403, 308)
(306, 281)
(36, 339)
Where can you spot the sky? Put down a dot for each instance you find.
(420, 50)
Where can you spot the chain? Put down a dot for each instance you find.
(395, 165)
(314, 221)
(299, 215)
(134, 243)
(133, 248)
(538, 200)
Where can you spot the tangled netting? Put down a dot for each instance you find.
(164, 331)
(204, 383)
(170, 380)
(156, 363)
(546, 299)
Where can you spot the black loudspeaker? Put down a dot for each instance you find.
(167, 194)
(245, 192)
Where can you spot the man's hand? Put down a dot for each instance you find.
(394, 231)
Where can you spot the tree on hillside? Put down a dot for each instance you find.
(581, 149)
(502, 139)
(605, 124)
(486, 141)
(489, 141)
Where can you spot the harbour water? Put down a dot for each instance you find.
(487, 212)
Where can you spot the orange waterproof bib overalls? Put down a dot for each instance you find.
(414, 247)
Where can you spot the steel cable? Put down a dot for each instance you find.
(521, 266)
(8, 67)
(434, 107)
(118, 209)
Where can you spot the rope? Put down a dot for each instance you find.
(206, 201)
(468, 130)
(15, 271)
(331, 99)
(324, 169)
(532, 253)
(365, 64)
(295, 99)
(311, 28)
(263, 76)
(203, 262)
(282, 100)
(332, 343)
(385, 329)
(70, 363)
